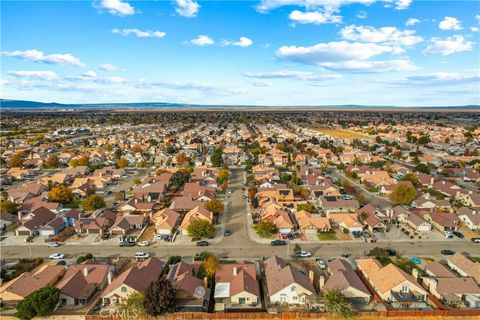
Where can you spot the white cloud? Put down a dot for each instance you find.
(242, 42)
(187, 8)
(3, 82)
(261, 83)
(334, 51)
(361, 15)
(450, 23)
(202, 40)
(437, 79)
(385, 35)
(267, 5)
(117, 7)
(109, 67)
(315, 17)
(38, 56)
(402, 4)
(477, 17)
(90, 74)
(448, 46)
(39, 75)
(412, 22)
(356, 66)
(474, 29)
(140, 33)
(299, 75)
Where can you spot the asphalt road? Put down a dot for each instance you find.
(239, 245)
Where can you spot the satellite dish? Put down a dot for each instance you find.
(199, 292)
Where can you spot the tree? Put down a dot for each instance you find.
(337, 304)
(8, 207)
(60, 194)
(223, 175)
(421, 167)
(38, 303)
(214, 205)
(423, 140)
(216, 157)
(159, 297)
(122, 163)
(265, 229)
(200, 229)
(83, 258)
(133, 306)
(296, 250)
(378, 252)
(92, 203)
(52, 162)
(403, 194)
(306, 206)
(15, 162)
(210, 265)
(182, 159)
(410, 177)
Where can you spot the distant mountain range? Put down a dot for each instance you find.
(24, 104)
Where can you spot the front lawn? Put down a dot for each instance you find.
(326, 235)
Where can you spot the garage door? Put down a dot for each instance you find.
(311, 231)
(23, 233)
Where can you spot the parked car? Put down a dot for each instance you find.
(127, 244)
(143, 243)
(304, 254)
(141, 255)
(227, 233)
(56, 256)
(277, 243)
(367, 252)
(244, 197)
(458, 234)
(346, 254)
(159, 236)
(447, 252)
(53, 244)
(202, 243)
(321, 264)
(391, 252)
(448, 234)
(476, 240)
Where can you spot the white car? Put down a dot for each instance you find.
(143, 244)
(448, 234)
(52, 244)
(141, 255)
(304, 254)
(56, 256)
(321, 264)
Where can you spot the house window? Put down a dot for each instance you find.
(294, 298)
(404, 288)
(124, 289)
(302, 299)
(293, 288)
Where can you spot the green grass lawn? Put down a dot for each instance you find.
(2, 238)
(326, 236)
(405, 264)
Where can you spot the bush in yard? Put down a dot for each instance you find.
(38, 303)
(86, 257)
(159, 298)
(265, 229)
(92, 203)
(403, 194)
(215, 205)
(337, 304)
(8, 207)
(200, 229)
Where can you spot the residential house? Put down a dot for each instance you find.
(279, 217)
(135, 205)
(128, 226)
(197, 213)
(33, 221)
(443, 221)
(312, 224)
(346, 221)
(469, 217)
(165, 221)
(191, 292)
(464, 266)
(338, 204)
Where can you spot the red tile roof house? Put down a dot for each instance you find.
(337, 204)
(464, 266)
(469, 217)
(81, 282)
(198, 192)
(443, 221)
(94, 224)
(166, 221)
(344, 279)
(35, 203)
(134, 279)
(191, 292)
(128, 226)
(184, 204)
(33, 221)
(150, 192)
(136, 206)
(236, 285)
(471, 200)
(286, 284)
(53, 227)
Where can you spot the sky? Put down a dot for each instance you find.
(265, 52)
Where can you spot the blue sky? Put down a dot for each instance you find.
(266, 52)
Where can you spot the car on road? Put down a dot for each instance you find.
(142, 255)
(277, 243)
(347, 197)
(127, 244)
(447, 252)
(143, 243)
(56, 256)
(448, 234)
(244, 197)
(346, 254)
(321, 264)
(227, 233)
(304, 254)
(391, 252)
(229, 191)
(458, 234)
(53, 244)
(367, 252)
(476, 240)
(202, 243)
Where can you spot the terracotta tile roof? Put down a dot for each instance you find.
(466, 265)
(343, 276)
(81, 279)
(241, 276)
(279, 275)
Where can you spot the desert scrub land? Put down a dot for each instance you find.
(343, 134)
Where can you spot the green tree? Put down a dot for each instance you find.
(133, 306)
(159, 297)
(378, 252)
(38, 303)
(337, 304)
(83, 258)
(200, 229)
(421, 167)
(306, 206)
(60, 194)
(92, 203)
(210, 265)
(410, 177)
(216, 157)
(8, 207)
(403, 194)
(215, 205)
(265, 229)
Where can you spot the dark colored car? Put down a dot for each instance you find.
(391, 252)
(202, 243)
(227, 233)
(105, 236)
(127, 244)
(447, 252)
(458, 234)
(290, 236)
(276, 243)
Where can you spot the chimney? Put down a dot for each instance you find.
(311, 274)
(321, 282)
(85, 271)
(109, 277)
(415, 273)
(427, 196)
(205, 282)
(235, 271)
(19, 216)
(432, 180)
